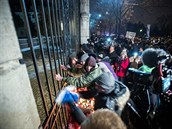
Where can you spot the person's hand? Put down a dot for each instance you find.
(59, 77)
(63, 67)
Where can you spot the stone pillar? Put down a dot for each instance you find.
(85, 18)
(17, 104)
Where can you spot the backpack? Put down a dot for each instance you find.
(118, 98)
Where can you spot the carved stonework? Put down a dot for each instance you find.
(84, 13)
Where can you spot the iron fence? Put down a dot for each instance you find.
(52, 34)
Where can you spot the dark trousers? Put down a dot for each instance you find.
(77, 113)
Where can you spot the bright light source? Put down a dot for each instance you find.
(141, 30)
(135, 54)
(100, 15)
(107, 12)
(108, 39)
(61, 24)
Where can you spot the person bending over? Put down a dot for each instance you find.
(108, 93)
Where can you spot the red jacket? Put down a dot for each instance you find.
(121, 68)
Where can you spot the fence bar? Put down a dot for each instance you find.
(48, 42)
(58, 10)
(42, 51)
(52, 37)
(22, 3)
(51, 114)
(50, 33)
(55, 32)
(62, 28)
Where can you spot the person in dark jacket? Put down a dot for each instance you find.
(92, 72)
(108, 93)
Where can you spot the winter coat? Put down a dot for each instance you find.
(121, 68)
(106, 67)
(85, 80)
(115, 100)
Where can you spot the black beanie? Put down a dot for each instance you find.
(90, 61)
(106, 81)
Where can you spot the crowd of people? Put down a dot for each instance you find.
(104, 69)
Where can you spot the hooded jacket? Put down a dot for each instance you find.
(114, 96)
(106, 67)
(86, 79)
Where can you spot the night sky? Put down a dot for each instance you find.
(152, 10)
(147, 11)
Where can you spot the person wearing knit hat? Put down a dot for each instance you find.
(108, 93)
(90, 64)
(92, 72)
(83, 58)
(112, 94)
(72, 61)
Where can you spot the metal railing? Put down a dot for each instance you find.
(55, 36)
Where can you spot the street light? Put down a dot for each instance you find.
(107, 12)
